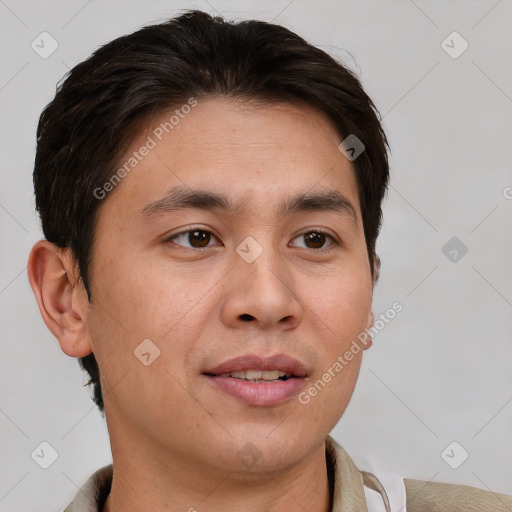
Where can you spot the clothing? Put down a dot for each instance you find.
(352, 491)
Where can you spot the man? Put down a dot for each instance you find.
(210, 195)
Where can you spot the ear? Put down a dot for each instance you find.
(369, 341)
(376, 269)
(60, 295)
(371, 318)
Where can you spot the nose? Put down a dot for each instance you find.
(261, 294)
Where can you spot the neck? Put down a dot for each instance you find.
(177, 485)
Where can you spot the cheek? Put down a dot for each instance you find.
(340, 312)
(148, 300)
(338, 391)
(342, 304)
(137, 301)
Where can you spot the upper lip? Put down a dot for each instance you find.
(280, 362)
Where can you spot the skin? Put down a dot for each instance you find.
(175, 437)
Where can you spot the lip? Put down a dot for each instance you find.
(260, 394)
(265, 394)
(253, 362)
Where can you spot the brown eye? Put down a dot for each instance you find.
(193, 238)
(199, 238)
(314, 239)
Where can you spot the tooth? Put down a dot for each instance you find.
(243, 375)
(271, 375)
(253, 374)
(256, 375)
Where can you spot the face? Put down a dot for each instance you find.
(251, 268)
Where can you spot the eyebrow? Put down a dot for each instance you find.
(181, 197)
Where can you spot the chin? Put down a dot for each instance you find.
(272, 449)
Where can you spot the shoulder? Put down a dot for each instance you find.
(438, 497)
(92, 495)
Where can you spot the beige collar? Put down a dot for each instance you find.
(348, 482)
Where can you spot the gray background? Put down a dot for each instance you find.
(440, 371)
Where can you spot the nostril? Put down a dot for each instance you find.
(246, 317)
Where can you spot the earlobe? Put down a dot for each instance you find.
(371, 318)
(376, 269)
(369, 324)
(51, 276)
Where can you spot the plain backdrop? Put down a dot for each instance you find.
(437, 383)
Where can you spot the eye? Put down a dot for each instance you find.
(196, 238)
(315, 239)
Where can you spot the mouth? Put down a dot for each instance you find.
(257, 376)
(259, 381)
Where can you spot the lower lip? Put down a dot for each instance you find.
(271, 393)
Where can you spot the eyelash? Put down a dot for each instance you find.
(334, 242)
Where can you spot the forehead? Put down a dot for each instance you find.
(251, 150)
(243, 129)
